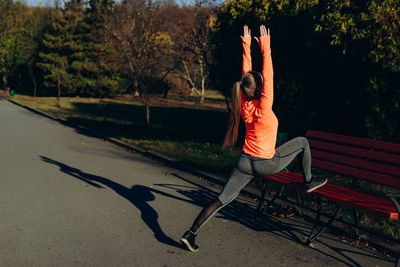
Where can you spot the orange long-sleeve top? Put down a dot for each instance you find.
(261, 122)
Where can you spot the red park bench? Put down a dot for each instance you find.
(355, 158)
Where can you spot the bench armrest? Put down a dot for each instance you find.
(393, 197)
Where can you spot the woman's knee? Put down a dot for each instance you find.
(227, 197)
(302, 140)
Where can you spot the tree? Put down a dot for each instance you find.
(139, 48)
(189, 28)
(196, 59)
(374, 24)
(37, 20)
(368, 33)
(90, 77)
(11, 39)
(54, 60)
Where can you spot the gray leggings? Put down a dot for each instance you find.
(248, 166)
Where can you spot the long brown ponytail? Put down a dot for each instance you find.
(234, 119)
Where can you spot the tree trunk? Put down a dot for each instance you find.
(59, 91)
(135, 86)
(187, 77)
(195, 92)
(5, 81)
(202, 92)
(203, 79)
(33, 79)
(19, 80)
(166, 92)
(147, 112)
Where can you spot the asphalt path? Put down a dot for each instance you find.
(70, 199)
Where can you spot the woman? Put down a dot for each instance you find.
(252, 99)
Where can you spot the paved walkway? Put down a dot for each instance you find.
(68, 199)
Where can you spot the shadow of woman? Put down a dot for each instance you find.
(138, 195)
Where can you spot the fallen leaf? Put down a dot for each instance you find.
(289, 215)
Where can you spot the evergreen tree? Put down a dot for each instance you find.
(11, 39)
(33, 32)
(90, 77)
(54, 60)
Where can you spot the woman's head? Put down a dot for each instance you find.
(251, 85)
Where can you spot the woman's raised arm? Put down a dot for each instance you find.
(267, 93)
(246, 41)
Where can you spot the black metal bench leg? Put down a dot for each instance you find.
(259, 209)
(316, 223)
(299, 204)
(270, 202)
(262, 197)
(398, 261)
(357, 221)
(314, 234)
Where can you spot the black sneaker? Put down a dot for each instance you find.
(188, 240)
(315, 183)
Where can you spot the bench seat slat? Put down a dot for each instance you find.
(356, 162)
(353, 151)
(339, 194)
(357, 141)
(365, 175)
(359, 200)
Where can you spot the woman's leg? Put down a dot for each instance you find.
(240, 177)
(231, 190)
(289, 150)
(282, 158)
(284, 155)
(243, 173)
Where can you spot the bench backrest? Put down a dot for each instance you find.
(366, 159)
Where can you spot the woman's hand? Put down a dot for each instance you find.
(265, 38)
(246, 38)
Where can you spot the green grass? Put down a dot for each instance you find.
(210, 96)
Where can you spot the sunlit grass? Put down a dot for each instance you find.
(214, 94)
